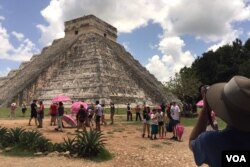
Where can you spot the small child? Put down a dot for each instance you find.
(24, 109)
(13, 110)
(103, 115)
(154, 124)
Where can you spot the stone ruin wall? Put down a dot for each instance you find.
(89, 24)
(93, 69)
(90, 72)
(27, 74)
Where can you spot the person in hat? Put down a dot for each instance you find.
(231, 102)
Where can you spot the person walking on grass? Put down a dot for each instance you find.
(98, 115)
(154, 124)
(161, 123)
(81, 117)
(24, 109)
(53, 113)
(60, 113)
(138, 112)
(40, 114)
(13, 110)
(33, 113)
(112, 112)
(175, 114)
(129, 113)
(91, 113)
(146, 121)
(103, 115)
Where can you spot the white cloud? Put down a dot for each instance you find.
(19, 36)
(158, 67)
(126, 45)
(173, 59)
(228, 39)
(4, 72)
(207, 21)
(23, 52)
(2, 18)
(124, 15)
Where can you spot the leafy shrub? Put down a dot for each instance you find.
(13, 136)
(3, 137)
(42, 145)
(29, 138)
(69, 145)
(34, 141)
(90, 143)
(58, 147)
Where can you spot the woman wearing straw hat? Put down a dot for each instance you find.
(231, 102)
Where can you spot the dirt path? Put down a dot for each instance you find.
(124, 141)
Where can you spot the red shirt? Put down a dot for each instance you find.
(53, 109)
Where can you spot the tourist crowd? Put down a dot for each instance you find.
(156, 120)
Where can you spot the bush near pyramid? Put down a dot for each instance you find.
(87, 64)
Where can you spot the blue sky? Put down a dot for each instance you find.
(163, 35)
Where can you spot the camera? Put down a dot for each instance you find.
(203, 90)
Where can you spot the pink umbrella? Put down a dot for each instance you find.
(199, 103)
(76, 106)
(69, 120)
(61, 98)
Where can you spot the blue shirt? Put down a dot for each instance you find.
(208, 146)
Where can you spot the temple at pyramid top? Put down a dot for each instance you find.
(90, 23)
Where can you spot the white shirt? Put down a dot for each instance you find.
(154, 118)
(175, 112)
(98, 110)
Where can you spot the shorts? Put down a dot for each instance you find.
(33, 115)
(81, 120)
(98, 118)
(24, 110)
(161, 123)
(175, 122)
(154, 129)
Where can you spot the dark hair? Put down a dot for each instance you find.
(60, 103)
(81, 106)
(97, 102)
(41, 102)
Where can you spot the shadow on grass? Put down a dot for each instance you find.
(104, 155)
(16, 152)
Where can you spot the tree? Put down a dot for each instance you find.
(184, 85)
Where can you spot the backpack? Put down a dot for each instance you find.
(82, 114)
(179, 131)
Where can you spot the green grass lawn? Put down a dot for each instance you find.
(120, 112)
(192, 122)
(5, 113)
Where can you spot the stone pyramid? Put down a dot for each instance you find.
(87, 64)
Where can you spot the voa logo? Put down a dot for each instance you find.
(236, 158)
